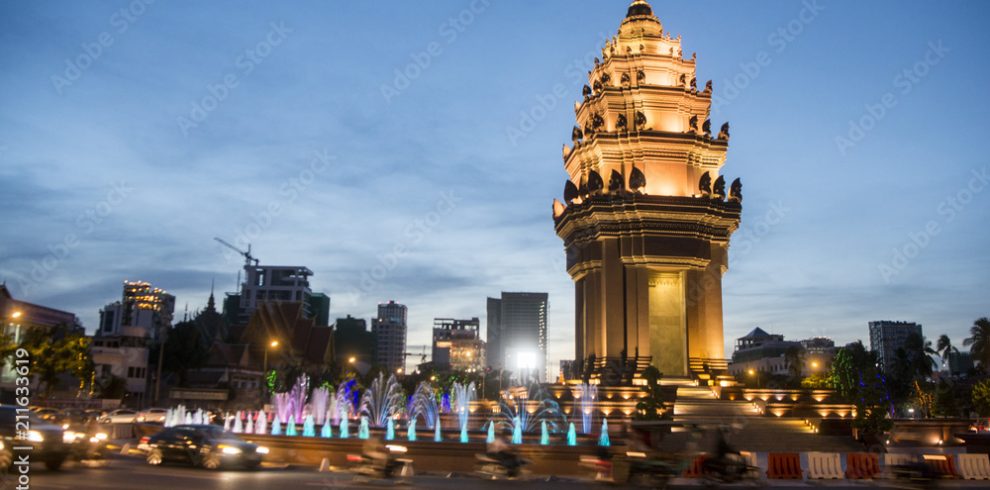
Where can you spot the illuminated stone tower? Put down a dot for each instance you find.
(646, 218)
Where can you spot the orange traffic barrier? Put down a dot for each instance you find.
(784, 466)
(941, 464)
(862, 466)
(697, 468)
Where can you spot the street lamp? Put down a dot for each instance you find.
(398, 371)
(351, 360)
(14, 315)
(271, 345)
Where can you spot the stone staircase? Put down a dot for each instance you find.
(753, 431)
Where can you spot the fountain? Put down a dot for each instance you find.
(411, 430)
(276, 426)
(297, 396)
(318, 402)
(390, 430)
(603, 438)
(363, 432)
(309, 426)
(327, 431)
(226, 422)
(238, 425)
(382, 401)
(544, 436)
(343, 427)
(261, 426)
(341, 403)
(290, 426)
(463, 396)
(526, 413)
(437, 436)
(250, 425)
(188, 419)
(571, 435)
(517, 430)
(587, 394)
(491, 432)
(424, 404)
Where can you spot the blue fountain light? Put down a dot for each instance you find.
(516, 430)
(411, 430)
(437, 436)
(309, 427)
(571, 435)
(290, 426)
(276, 426)
(327, 431)
(464, 434)
(603, 438)
(544, 435)
(491, 432)
(344, 431)
(363, 432)
(389, 430)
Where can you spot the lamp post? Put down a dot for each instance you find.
(756, 374)
(271, 345)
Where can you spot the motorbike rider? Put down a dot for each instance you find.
(374, 451)
(503, 453)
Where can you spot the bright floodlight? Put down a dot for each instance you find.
(526, 360)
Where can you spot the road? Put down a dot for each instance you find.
(133, 473)
(128, 473)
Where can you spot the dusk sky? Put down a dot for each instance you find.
(411, 151)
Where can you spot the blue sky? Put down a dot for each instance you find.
(411, 150)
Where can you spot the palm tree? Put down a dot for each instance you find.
(944, 347)
(979, 341)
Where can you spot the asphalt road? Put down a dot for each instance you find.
(133, 473)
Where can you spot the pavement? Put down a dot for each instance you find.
(133, 473)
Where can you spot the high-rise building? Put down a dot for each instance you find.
(143, 311)
(519, 333)
(457, 344)
(389, 329)
(352, 339)
(646, 214)
(128, 328)
(275, 283)
(888, 336)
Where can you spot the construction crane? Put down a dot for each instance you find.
(422, 356)
(248, 258)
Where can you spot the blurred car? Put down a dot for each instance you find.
(86, 441)
(152, 415)
(206, 446)
(47, 413)
(120, 416)
(47, 441)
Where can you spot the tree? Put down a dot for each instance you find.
(944, 347)
(54, 351)
(184, 351)
(979, 341)
(651, 406)
(7, 349)
(981, 398)
(857, 378)
(817, 381)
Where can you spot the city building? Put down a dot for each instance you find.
(457, 345)
(389, 329)
(517, 333)
(888, 336)
(272, 283)
(353, 340)
(18, 317)
(647, 214)
(128, 329)
(143, 307)
(766, 353)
